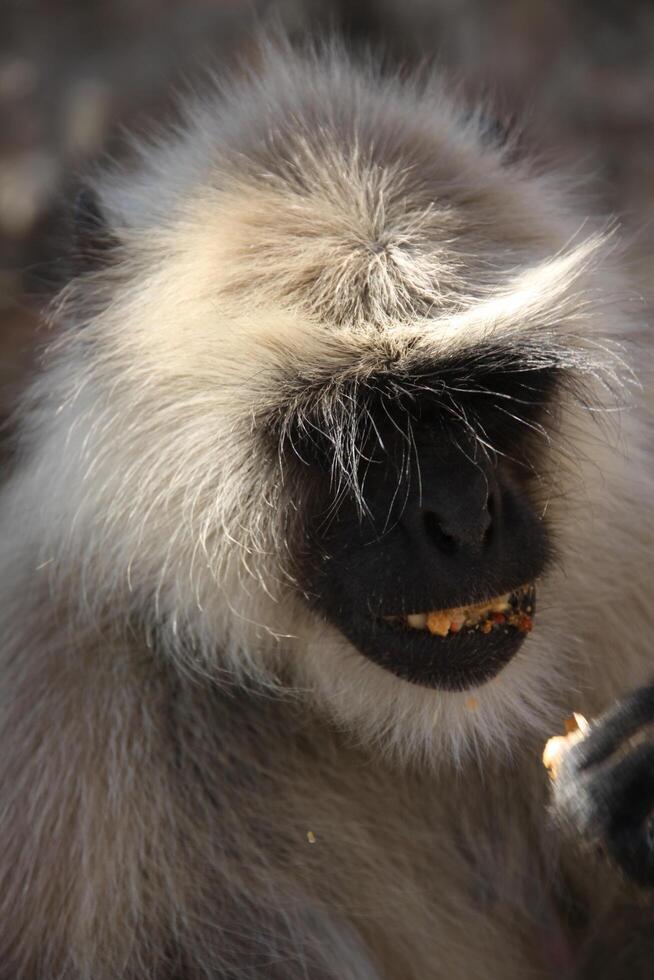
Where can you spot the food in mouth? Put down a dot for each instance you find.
(511, 609)
(452, 648)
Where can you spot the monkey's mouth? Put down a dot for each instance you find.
(513, 609)
(451, 649)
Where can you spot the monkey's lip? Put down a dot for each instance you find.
(442, 657)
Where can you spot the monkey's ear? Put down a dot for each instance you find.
(92, 238)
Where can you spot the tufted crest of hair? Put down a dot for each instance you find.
(310, 236)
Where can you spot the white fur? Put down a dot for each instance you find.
(145, 434)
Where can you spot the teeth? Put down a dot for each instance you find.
(482, 616)
(458, 620)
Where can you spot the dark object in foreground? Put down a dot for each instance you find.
(604, 785)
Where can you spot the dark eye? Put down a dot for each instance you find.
(307, 443)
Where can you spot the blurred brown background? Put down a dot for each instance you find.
(74, 73)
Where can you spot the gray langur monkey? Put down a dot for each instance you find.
(332, 500)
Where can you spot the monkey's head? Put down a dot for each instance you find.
(320, 415)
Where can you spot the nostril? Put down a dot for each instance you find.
(434, 531)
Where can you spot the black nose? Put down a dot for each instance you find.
(454, 509)
(451, 531)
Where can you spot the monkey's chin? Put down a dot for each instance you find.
(467, 657)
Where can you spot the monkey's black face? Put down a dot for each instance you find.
(435, 583)
(429, 569)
